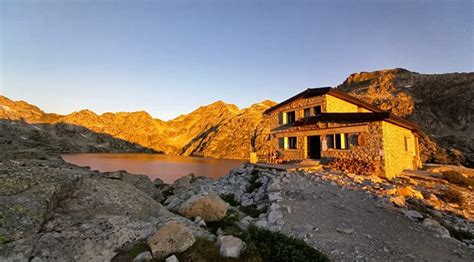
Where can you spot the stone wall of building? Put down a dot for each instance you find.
(397, 156)
(337, 105)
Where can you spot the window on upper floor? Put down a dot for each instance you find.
(317, 110)
(307, 112)
(290, 117)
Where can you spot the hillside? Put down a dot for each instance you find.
(217, 130)
(439, 103)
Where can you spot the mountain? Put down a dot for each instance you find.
(441, 104)
(218, 130)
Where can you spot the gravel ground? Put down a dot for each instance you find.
(351, 225)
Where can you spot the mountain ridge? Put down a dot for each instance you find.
(439, 103)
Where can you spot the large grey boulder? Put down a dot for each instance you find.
(51, 211)
(141, 182)
(173, 237)
(209, 207)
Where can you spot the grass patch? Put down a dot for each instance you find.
(228, 224)
(3, 239)
(252, 210)
(457, 178)
(273, 246)
(229, 198)
(128, 254)
(253, 183)
(451, 195)
(166, 193)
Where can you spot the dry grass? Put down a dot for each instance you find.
(452, 195)
(457, 178)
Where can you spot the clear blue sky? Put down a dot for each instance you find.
(169, 57)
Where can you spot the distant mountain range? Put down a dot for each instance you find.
(441, 104)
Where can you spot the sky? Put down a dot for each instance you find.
(170, 57)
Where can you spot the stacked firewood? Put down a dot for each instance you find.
(356, 166)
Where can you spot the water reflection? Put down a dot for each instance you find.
(168, 168)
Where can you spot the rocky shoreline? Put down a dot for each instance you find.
(54, 211)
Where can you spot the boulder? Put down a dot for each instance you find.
(143, 257)
(172, 258)
(209, 207)
(408, 191)
(398, 201)
(173, 237)
(230, 246)
(413, 215)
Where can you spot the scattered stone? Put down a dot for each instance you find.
(345, 230)
(412, 215)
(172, 258)
(274, 196)
(200, 222)
(398, 201)
(211, 207)
(230, 246)
(143, 257)
(261, 224)
(173, 237)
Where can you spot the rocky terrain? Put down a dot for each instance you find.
(203, 132)
(441, 104)
(19, 139)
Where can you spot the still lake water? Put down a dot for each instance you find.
(168, 168)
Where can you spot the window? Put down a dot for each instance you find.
(337, 141)
(317, 110)
(330, 141)
(406, 142)
(292, 142)
(307, 112)
(281, 143)
(290, 117)
(280, 118)
(353, 139)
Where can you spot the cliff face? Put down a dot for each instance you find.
(217, 130)
(440, 104)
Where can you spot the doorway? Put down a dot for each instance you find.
(314, 147)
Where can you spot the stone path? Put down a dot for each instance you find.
(351, 225)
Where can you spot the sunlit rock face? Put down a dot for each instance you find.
(441, 104)
(217, 130)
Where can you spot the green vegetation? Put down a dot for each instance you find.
(128, 254)
(273, 246)
(228, 225)
(451, 195)
(253, 183)
(252, 210)
(3, 239)
(229, 198)
(457, 178)
(167, 192)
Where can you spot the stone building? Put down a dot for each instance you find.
(325, 123)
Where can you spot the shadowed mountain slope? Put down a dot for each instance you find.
(440, 103)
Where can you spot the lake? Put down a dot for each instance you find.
(168, 168)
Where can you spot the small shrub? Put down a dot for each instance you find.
(128, 254)
(457, 178)
(253, 183)
(451, 195)
(228, 224)
(229, 198)
(273, 246)
(252, 210)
